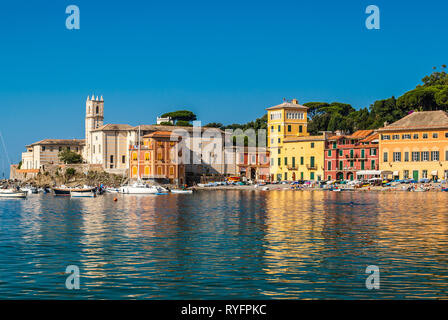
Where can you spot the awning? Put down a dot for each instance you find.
(368, 172)
(395, 173)
(434, 173)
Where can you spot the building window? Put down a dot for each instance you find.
(289, 128)
(425, 136)
(385, 137)
(406, 156)
(373, 151)
(301, 161)
(396, 137)
(123, 159)
(435, 135)
(434, 155)
(286, 175)
(334, 145)
(286, 161)
(329, 153)
(279, 161)
(278, 128)
(312, 145)
(112, 159)
(425, 174)
(385, 156)
(405, 136)
(425, 155)
(415, 156)
(279, 140)
(341, 165)
(340, 152)
(312, 176)
(43, 148)
(329, 165)
(397, 156)
(415, 136)
(134, 156)
(406, 174)
(272, 161)
(93, 150)
(446, 134)
(272, 128)
(300, 129)
(372, 165)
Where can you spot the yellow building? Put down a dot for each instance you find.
(416, 146)
(295, 155)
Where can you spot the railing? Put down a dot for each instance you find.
(311, 167)
(292, 167)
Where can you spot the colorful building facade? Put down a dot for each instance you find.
(158, 159)
(347, 154)
(416, 146)
(294, 154)
(253, 163)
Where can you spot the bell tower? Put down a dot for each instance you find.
(94, 120)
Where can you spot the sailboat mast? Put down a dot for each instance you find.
(138, 164)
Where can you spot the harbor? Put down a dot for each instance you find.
(232, 244)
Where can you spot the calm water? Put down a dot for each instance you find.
(226, 245)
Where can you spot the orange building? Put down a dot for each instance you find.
(157, 160)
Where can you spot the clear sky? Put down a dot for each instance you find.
(225, 60)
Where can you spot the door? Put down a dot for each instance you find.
(415, 175)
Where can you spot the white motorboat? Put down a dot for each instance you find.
(11, 193)
(77, 194)
(141, 188)
(181, 191)
(112, 190)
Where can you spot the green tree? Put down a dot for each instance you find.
(180, 115)
(69, 157)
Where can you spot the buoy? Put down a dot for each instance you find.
(115, 199)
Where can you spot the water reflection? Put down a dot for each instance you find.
(226, 244)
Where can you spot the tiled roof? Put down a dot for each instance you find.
(370, 138)
(420, 120)
(71, 142)
(288, 105)
(114, 127)
(359, 134)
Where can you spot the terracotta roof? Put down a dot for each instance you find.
(161, 134)
(288, 105)
(114, 127)
(71, 142)
(420, 120)
(370, 138)
(359, 134)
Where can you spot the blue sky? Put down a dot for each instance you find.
(225, 60)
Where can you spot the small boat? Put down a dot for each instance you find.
(77, 194)
(141, 188)
(11, 193)
(112, 190)
(181, 191)
(30, 190)
(65, 191)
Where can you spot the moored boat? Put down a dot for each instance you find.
(11, 193)
(78, 194)
(181, 191)
(65, 191)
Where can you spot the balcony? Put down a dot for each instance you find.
(311, 167)
(292, 167)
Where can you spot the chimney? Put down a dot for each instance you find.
(295, 101)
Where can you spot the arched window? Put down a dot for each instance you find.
(134, 171)
(97, 109)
